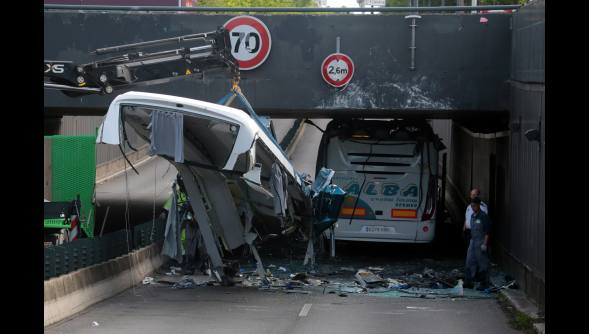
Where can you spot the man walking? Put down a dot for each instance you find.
(477, 258)
(476, 192)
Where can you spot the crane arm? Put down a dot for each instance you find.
(143, 63)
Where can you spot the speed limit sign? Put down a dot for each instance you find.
(337, 69)
(250, 41)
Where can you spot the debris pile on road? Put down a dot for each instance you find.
(177, 278)
(382, 281)
(367, 279)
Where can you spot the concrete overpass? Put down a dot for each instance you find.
(461, 64)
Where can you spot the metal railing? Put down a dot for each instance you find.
(147, 233)
(279, 9)
(63, 259)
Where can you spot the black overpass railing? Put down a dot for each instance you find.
(281, 9)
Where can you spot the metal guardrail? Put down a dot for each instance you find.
(63, 259)
(147, 233)
(280, 9)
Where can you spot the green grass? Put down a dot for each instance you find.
(517, 320)
(522, 322)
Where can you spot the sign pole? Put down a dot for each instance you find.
(337, 69)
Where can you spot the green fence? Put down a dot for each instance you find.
(73, 173)
(82, 253)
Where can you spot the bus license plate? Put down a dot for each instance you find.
(378, 229)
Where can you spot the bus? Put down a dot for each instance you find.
(389, 170)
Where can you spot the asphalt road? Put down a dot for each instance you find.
(161, 309)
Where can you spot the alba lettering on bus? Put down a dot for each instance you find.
(389, 189)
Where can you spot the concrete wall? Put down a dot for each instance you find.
(66, 295)
(443, 128)
(478, 160)
(510, 169)
(522, 239)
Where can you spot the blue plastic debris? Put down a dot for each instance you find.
(327, 202)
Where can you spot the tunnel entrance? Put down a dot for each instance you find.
(467, 93)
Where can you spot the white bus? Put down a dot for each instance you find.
(389, 170)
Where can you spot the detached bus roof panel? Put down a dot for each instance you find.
(109, 131)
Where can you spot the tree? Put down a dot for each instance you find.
(501, 2)
(398, 3)
(435, 3)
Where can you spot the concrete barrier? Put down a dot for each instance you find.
(107, 169)
(282, 126)
(69, 294)
(299, 129)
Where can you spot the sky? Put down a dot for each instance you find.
(342, 3)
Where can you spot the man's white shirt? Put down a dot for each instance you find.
(469, 213)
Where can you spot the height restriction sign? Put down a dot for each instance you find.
(250, 41)
(337, 69)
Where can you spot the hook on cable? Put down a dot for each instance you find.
(235, 84)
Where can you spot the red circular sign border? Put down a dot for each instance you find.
(259, 26)
(337, 56)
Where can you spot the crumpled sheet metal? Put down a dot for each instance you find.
(380, 282)
(391, 281)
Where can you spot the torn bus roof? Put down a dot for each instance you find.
(231, 169)
(109, 131)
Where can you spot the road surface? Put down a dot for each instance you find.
(161, 309)
(153, 183)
